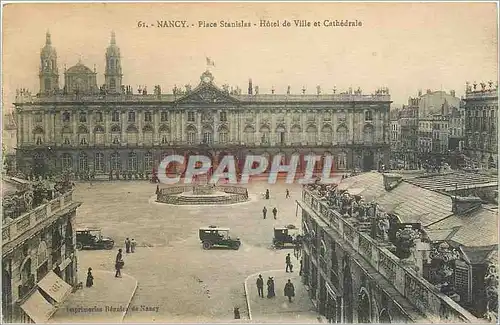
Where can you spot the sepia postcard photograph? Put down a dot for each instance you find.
(249, 162)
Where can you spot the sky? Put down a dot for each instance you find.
(402, 46)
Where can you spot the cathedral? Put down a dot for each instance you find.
(110, 128)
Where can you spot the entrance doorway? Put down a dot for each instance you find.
(368, 161)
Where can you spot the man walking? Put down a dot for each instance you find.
(275, 212)
(127, 245)
(288, 261)
(119, 264)
(260, 286)
(287, 194)
(289, 290)
(264, 212)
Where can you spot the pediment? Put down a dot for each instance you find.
(207, 93)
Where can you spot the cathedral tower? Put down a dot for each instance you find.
(49, 75)
(113, 74)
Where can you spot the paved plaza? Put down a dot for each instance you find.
(178, 281)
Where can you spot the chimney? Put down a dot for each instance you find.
(250, 87)
(391, 181)
(452, 93)
(463, 205)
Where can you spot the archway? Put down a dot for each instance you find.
(368, 160)
(385, 317)
(364, 308)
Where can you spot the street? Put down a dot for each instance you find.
(178, 280)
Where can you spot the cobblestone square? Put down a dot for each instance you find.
(174, 273)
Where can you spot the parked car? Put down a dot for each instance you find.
(92, 239)
(286, 236)
(215, 236)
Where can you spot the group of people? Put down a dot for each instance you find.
(274, 211)
(130, 245)
(289, 289)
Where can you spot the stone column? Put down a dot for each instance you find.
(46, 127)
(90, 117)
(74, 120)
(257, 127)
(303, 120)
(140, 123)
(215, 126)
(156, 126)
(30, 127)
(198, 126)
(123, 120)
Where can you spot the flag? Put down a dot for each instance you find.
(210, 62)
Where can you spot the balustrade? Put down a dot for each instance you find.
(424, 296)
(34, 217)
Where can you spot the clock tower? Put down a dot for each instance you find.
(49, 75)
(113, 74)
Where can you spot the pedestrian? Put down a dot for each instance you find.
(289, 290)
(270, 288)
(300, 270)
(275, 212)
(260, 286)
(287, 193)
(157, 189)
(127, 245)
(267, 194)
(90, 278)
(264, 212)
(133, 244)
(119, 264)
(288, 261)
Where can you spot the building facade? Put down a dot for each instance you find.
(481, 132)
(409, 124)
(39, 262)
(362, 264)
(101, 130)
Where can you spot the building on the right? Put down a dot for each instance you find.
(379, 248)
(481, 109)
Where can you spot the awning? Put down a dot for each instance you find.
(55, 287)
(37, 308)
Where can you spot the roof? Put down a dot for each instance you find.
(432, 209)
(79, 68)
(450, 181)
(214, 228)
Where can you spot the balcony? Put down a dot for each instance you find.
(418, 291)
(34, 218)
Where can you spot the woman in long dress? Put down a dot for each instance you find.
(90, 278)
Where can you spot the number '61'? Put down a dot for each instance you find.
(141, 24)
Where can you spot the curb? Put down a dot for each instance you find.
(131, 296)
(245, 286)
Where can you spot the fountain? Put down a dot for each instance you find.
(201, 192)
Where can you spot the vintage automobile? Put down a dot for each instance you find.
(92, 239)
(215, 236)
(288, 236)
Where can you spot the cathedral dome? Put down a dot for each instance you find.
(79, 68)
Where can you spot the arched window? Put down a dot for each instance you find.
(207, 136)
(115, 134)
(132, 162)
(326, 133)
(67, 161)
(99, 135)
(99, 162)
(295, 134)
(165, 134)
(148, 161)
(132, 135)
(191, 135)
(148, 134)
(83, 164)
(311, 134)
(223, 135)
(249, 135)
(368, 134)
(342, 134)
(115, 162)
(264, 135)
(364, 308)
(342, 161)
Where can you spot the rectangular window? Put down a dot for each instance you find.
(164, 116)
(207, 137)
(148, 117)
(83, 117)
(223, 117)
(191, 137)
(98, 117)
(131, 117)
(115, 117)
(191, 117)
(38, 118)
